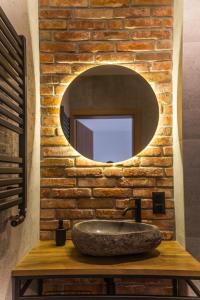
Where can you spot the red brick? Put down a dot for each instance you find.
(113, 172)
(46, 79)
(73, 58)
(71, 193)
(112, 214)
(53, 141)
(52, 225)
(164, 44)
(58, 151)
(145, 172)
(79, 68)
(162, 141)
(168, 151)
(84, 172)
(96, 203)
(71, 36)
(162, 11)
(152, 2)
(167, 109)
(169, 172)
(58, 182)
(46, 58)
(55, 68)
(110, 35)
(50, 110)
(96, 47)
(140, 67)
(115, 24)
(47, 214)
(163, 87)
(100, 13)
(45, 35)
(132, 12)
(57, 47)
(167, 22)
(62, 78)
(133, 162)
(55, 13)
(51, 100)
(43, 3)
(153, 151)
(162, 224)
(60, 89)
(156, 161)
(57, 162)
(47, 131)
(154, 56)
(165, 98)
(123, 203)
(165, 182)
(74, 214)
(109, 3)
(52, 173)
(161, 66)
(166, 131)
(85, 162)
(158, 77)
(86, 24)
(148, 214)
(53, 24)
(46, 89)
(147, 193)
(115, 57)
(151, 34)
(166, 120)
(97, 182)
(137, 182)
(68, 3)
(142, 22)
(50, 121)
(112, 192)
(58, 203)
(135, 46)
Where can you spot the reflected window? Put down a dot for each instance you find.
(106, 139)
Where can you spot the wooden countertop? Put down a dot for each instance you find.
(169, 259)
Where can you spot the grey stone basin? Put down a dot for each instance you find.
(110, 238)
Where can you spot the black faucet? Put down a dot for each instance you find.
(137, 209)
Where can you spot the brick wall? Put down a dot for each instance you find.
(76, 35)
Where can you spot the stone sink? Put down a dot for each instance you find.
(110, 238)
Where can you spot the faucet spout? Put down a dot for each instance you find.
(125, 210)
(137, 210)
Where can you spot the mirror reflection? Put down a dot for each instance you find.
(109, 113)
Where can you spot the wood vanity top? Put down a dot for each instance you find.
(169, 259)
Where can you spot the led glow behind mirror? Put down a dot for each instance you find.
(109, 113)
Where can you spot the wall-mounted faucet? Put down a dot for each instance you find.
(137, 210)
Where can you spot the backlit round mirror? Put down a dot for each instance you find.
(109, 113)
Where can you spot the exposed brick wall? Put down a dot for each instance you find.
(76, 35)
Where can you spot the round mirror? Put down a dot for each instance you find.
(109, 113)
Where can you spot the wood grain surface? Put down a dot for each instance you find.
(169, 259)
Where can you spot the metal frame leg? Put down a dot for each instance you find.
(16, 288)
(110, 286)
(40, 287)
(20, 285)
(175, 287)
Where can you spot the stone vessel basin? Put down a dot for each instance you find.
(110, 238)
